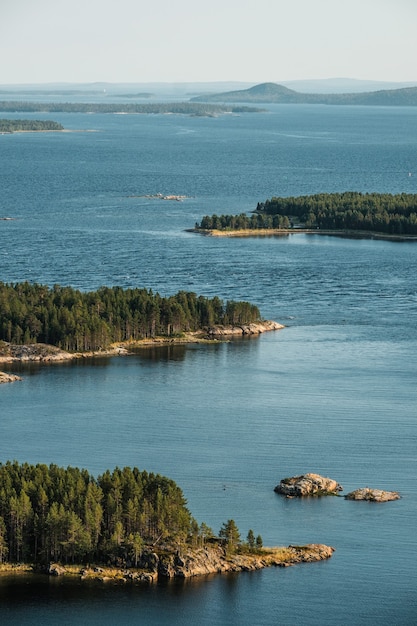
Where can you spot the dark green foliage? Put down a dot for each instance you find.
(384, 213)
(242, 222)
(251, 539)
(52, 513)
(230, 535)
(74, 320)
(11, 126)
(180, 108)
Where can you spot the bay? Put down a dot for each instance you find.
(334, 392)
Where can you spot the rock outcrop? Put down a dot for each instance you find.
(8, 378)
(55, 569)
(215, 560)
(240, 330)
(46, 353)
(211, 559)
(308, 485)
(32, 352)
(372, 495)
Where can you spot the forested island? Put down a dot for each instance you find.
(279, 94)
(13, 126)
(133, 525)
(348, 212)
(179, 108)
(85, 321)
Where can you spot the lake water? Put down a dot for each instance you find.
(334, 392)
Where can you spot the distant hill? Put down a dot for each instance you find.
(338, 85)
(279, 94)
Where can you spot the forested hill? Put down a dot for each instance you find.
(83, 321)
(278, 94)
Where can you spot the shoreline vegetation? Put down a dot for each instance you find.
(195, 109)
(132, 525)
(47, 353)
(28, 126)
(40, 323)
(347, 214)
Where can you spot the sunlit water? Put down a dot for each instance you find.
(334, 392)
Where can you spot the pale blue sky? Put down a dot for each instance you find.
(210, 40)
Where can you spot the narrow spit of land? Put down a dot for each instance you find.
(286, 232)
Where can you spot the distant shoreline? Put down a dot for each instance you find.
(281, 232)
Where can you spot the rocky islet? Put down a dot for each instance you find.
(316, 485)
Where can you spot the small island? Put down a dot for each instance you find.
(126, 525)
(26, 126)
(352, 214)
(308, 485)
(372, 495)
(315, 485)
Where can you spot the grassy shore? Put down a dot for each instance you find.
(281, 232)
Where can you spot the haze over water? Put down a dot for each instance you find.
(334, 392)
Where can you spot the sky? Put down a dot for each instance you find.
(139, 41)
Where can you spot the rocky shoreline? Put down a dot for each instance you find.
(182, 564)
(45, 353)
(372, 495)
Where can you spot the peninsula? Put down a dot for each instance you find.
(133, 525)
(351, 213)
(45, 324)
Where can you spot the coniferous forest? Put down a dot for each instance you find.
(82, 321)
(50, 513)
(378, 212)
(355, 211)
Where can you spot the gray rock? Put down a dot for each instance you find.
(308, 485)
(56, 570)
(372, 495)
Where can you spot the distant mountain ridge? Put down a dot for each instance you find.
(279, 94)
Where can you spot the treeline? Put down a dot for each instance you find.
(52, 513)
(74, 320)
(385, 213)
(11, 126)
(243, 222)
(183, 108)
